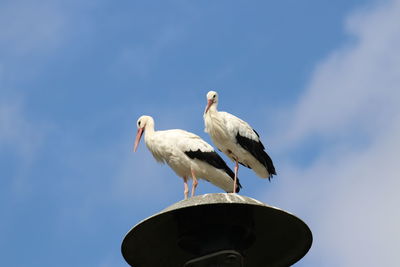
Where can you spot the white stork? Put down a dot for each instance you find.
(187, 154)
(237, 139)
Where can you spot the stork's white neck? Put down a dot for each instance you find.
(212, 121)
(149, 129)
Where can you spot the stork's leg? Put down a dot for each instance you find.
(186, 190)
(194, 184)
(235, 179)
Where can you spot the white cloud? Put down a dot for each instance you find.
(27, 26)
(356, 87)
(16, 131)
(349, 195)
(19, 139)
(140, 58)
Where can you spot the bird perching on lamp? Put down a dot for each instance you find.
(187, 154)
(236, 139)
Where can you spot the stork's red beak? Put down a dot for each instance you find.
(209, 103)
(137, 140)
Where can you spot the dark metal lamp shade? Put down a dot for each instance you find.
(217, 230)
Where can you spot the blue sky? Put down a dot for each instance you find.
(319, 80)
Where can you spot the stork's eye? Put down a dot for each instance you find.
(214, 96)
(139, 123)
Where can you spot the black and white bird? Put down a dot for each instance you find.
(187, 154)
(237, 139)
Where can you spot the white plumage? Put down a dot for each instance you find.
(187, 154)
(237, 139)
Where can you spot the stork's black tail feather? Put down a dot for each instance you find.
(256, 148)
(214, 160)
(269, 165)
